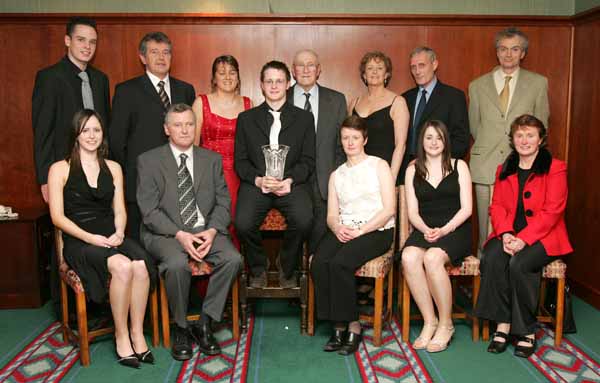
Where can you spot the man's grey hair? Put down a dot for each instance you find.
(429, 51)
(178, 108)
(306, 51)
(511, 32)
(159, 37)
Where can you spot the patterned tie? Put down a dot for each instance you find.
(164, 97)
(307, 106)
(275, 128)
(187, 201)
(505, 95)
(86, 91)
(417, 122)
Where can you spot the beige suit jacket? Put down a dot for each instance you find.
(490, 127)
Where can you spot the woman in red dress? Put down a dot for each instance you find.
(216, 118)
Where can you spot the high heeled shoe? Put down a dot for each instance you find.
(421, 343)
(525, 351)
(127, 361)
(498, 347)
(435, 345)
(144, 357)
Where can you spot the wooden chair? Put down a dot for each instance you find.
(83, 337)
(275, 222)
(198, 269)
(468, 269)
(379, 269)
(554, 270)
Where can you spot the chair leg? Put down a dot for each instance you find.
(476, 285)
(311, 306)
(164, 314)
(542, 300)
(377, 320)
(64, 309)
(390, 294)
(84, 346)
(560, 311)
(400, 290)
(235, 305)
(485, 333)
(154, 317)
(243, 286)
(405, 311)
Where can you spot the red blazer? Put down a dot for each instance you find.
(544, 201)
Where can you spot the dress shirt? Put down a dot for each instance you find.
(189, 163)
(75, 80)
(499, 81)
(429, 88)
(155, 81)
(300, 100)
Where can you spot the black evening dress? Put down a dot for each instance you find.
(437, 206)
(91, 209)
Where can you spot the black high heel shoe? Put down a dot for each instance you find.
(351, 343)
(144, 357)
(497, 347)
(525, 351)
(127, 361)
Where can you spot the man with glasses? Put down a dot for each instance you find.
(329, 110)
(274, 122)
(496, 99)
(139, 108)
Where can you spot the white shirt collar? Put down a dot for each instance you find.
(299, 91)
(189, 153)
(155, 79)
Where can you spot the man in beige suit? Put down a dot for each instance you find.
(496, 99)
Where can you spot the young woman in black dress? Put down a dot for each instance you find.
(87, 204)
(438, 195)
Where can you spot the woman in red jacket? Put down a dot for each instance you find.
(527, 215)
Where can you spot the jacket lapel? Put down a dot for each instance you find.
(199, 170)
(520, 90)
(489, 89)
(171, 178)
(433, 102)
(149, 89)
(325, 119)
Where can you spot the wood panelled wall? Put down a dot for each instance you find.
(465, 50)
(583, 209)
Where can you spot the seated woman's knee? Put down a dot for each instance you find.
(434, 259)
(412, 257)
(120, 267)
(139, 270)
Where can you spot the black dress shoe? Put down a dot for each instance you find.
(525, 351)
(336, 341)
(182, 344)
(127, 361)
(145, 357)
(350, 344)
(205, 340)
(496, 347)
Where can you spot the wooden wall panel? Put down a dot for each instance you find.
(583, 210)
(464, 45)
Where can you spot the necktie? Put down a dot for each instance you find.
(164, 97)
(275, 128)
(417, 122)
(307, 106)
(505, 95)
(86, 91)
(187, 201)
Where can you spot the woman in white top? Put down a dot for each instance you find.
(360, 214)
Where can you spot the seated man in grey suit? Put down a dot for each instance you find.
(184, 204)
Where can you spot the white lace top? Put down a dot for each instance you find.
(358, 193)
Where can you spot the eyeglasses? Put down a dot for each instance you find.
(515, 50)
(309, 67)
(278, 82)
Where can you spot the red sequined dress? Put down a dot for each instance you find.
(218, 135)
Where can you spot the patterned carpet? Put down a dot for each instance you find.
(393, 361)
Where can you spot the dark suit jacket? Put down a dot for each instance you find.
(157, 195)
(252, 132)
(449, 105)
(137, 122)
(329, 152)
(55, 101)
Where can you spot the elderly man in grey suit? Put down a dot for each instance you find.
(184, 203)
(496, 99)
(329, 110)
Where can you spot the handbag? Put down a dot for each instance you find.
(569, 326)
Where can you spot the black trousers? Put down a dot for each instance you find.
(253, 206)
(319, 226)
(333, 268)
(510, 285)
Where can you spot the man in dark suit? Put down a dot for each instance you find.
(139, 107)
(274, 122)
(61, 90)
(329, 110)
(184, 203)
(433, 100)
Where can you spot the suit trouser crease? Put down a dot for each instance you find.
(253, 206)
(319, 227)
(225, 261)
(333, 268)
(510, 285)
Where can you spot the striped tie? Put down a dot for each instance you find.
(187, 202)
(164, 97)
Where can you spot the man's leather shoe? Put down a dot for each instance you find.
(496, 347)
(286, 283)
(182, 344)
(525, 351)
(205, 340)
(259, 281)
(351, 343)
(336, 341)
